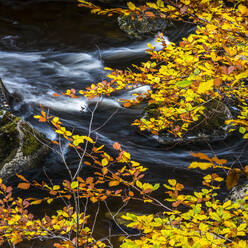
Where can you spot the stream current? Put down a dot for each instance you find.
(50, 47)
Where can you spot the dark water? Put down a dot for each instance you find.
(50, 47)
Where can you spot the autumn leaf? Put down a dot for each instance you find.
(104, 170)
(232, 179)
(56, 94)
(131, 6)
(243, 9)
(113, 183)
(246, 170)
(201, 155)
(150, 14)
(219, 161)
(22, 177)
(117, 146)
(23, 185)
(201, 165)
(104, 162)
(36, 202)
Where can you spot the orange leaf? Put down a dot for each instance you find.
(131, 193)
(55, 142)
(201, 156)
(117, 146)
(179, 186)
(93, 199)
(149, 14)
(217, 82)
(113, 183)
(219, 161)
(22, 177)
(127, 104)
(56, 94)
(104, 170)
(23, 185)
(232, 179)
(176, 204)
(42, 119)
(246, 170)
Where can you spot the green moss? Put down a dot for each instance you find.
(30, 143)
(9, 141)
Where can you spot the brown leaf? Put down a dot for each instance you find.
(232, 179)
(217, 82)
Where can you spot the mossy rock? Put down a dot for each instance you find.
(21, 146)
(210, 127)
(143, 26)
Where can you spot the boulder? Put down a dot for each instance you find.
(211, 126)
(21, 146)
(143, 26)
(238, 192)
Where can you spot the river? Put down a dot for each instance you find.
(50, 47)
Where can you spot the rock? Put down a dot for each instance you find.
(21, 146)
(142, 26)
(238, 192)
(6, 98)
(211, 127)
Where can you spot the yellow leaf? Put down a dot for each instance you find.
(88, 139)
(201, 165)
(104, 162)
(36, 202)
(74, 184)
(205, 86)
(172, 182)
(243, 9)
(56, 187)
(131, 6)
